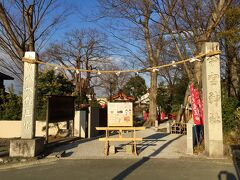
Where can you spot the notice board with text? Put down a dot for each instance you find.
(120, 114)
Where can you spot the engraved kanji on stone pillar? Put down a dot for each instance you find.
(213, 136)
(29, 96)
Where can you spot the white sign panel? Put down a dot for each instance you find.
(120, 114)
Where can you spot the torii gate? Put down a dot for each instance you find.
(30, 146)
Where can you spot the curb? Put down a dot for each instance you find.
(27, 163)
(54, 159)
(119, 157)
(224, 160)
(98, 158)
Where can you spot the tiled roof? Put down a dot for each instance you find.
(122, 97)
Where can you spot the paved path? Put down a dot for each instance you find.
(154, 145)
(162, 156)
(166, 169)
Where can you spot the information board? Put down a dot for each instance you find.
(120, 114)
(60, 108)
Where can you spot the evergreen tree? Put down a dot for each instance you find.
(10, 105)
(135, 87)
(51, 83)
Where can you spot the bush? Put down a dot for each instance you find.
(232, 136)
(10, 106)
(237, 117)
(95, 103)
(229, 107)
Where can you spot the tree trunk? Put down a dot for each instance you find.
(29, 18)
(195, 77)
(182, 110)
(153, 97)
(235, 77)
(10, 32)
(228, 73)
(232, 74)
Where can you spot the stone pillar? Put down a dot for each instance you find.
(190, 137)
(89, 122)
(168, 126)
(156, 124)
(80, 124)
(28, 145)
(29, 97)
(77, 124)
(83, 119)
(213, 136)
(93, 122)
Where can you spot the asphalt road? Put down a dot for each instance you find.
(137, 169)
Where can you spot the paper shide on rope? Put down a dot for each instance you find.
(118, 72)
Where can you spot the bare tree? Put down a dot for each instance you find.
(186, 23)
(229, 34)
(110, 84)
(189, 24)
(147, 32)
(80, 49)
(24, 26)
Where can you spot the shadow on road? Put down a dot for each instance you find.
(147, 142)
(151, 141)
(136, 165)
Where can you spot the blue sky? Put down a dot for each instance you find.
(84, 17)
(76, 20)
(79, 19)
(82, 9)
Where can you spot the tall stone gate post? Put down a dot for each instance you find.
(29, 96)
(28, 145)
(213, 135)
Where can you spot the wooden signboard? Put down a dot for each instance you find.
(120, 114)
(60, 108)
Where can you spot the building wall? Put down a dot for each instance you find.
(12, 129)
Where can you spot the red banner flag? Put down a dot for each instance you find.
(199, 104)
(195, 107)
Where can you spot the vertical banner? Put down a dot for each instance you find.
(195, 109)
(199, 104)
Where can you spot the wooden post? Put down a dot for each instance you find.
(47, 120)
(135, 143)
